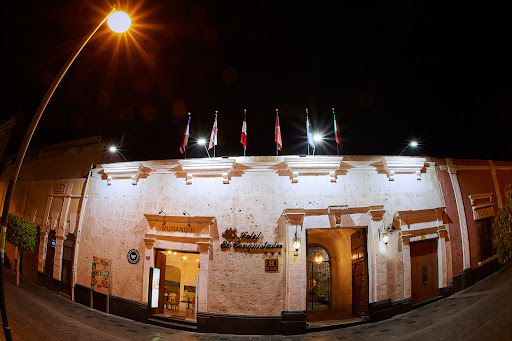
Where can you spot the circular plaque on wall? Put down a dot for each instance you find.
(133, 256)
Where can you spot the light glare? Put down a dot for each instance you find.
(119, 22)
(201, 141)
(112, 149)
(317, 137)
(414, 144)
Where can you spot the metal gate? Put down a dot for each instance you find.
(319, 278)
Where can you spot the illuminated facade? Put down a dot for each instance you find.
(224, 232)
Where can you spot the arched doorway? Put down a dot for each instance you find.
(337, 275)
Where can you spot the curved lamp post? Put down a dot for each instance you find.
(118, 22)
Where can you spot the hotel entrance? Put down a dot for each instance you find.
(337, 275)
(179, 275)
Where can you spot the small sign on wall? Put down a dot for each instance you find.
(59, 188)
(271, 265)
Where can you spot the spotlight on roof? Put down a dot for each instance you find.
(201, 141)
(413, 144)
(317, 137)
(112, 149)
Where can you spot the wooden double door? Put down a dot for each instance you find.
(424, 270)
(360, 283)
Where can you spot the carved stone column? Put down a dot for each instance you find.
(148, 263)
(406, 256)
(202, 294)
(377, 262)
(295, 262)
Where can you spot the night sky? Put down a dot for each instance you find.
(438, 74)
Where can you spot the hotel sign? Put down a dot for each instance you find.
(175, 228)
(246, 242)
(271, 265)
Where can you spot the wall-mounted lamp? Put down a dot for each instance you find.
(385, 238)
(296, 242)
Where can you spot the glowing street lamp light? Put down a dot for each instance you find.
(23, 149)
(119, 22)
(113, 149)
(412, 144)
(203, 142)
(318, 138)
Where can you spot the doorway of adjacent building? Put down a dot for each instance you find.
(424, 271)
(68, 251)
(486, 236)
(50, 255)
(179, 272)
(337, 274)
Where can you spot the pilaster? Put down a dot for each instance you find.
(452, 171)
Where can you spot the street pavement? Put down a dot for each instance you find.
(481, 312)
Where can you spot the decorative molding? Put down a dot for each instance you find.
(416, 225)
(473, 197)
(481, 209)
(313, 165)
(154, 218)
(345, 216)
(294, 216)
(404, 165)
(149, 242)
(215, 167)
(125, 170)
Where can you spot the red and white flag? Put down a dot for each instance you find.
(243, 138)
(213, 136)
(337, 134)
(184, 143)
(277, 133)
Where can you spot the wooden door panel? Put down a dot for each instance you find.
(359, 273)
(160, 263)
(424, 271)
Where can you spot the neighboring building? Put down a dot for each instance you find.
(473, 190)
(50, 192)
(392, 233)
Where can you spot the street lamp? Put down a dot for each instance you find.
(317, 138)
(119, 22)
(113, 149)
(412, 144)
(202, 141)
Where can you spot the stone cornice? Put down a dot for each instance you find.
(154, 218)
(420, 219)
(126, 170)
(473, 197)
(313, 165)
(215, 167)
(393, 165)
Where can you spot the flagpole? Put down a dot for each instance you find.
(245, 117)
(307, 123)
(277, 145)
(335, 132)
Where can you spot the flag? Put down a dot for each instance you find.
(213, 136)
(337, 134)
(277, 133)
(243, 138)
(185, 137)
(311, 142)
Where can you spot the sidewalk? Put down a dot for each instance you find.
(482, 312)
